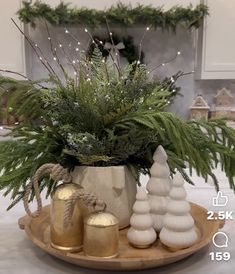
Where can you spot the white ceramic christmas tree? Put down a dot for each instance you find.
(141, 233)
(158, 187)
(178, 229)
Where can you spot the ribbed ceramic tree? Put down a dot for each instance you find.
(178, 225)
(158, 187)
(141, 233)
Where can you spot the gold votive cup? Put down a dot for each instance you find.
(101, 235)
(67, 238)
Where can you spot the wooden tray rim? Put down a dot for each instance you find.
(24, 224)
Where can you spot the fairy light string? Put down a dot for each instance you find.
(54, 52)
(81, 59)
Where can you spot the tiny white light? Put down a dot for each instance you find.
(110, 33)
(60, 45)
(101, 42)
(162, 89)
(54, 58)
(74, 62)
(77, 49)
(88, 79)
(148, 28)
(174, 90)
(138, 62)
(86, 30)
(192, 71)
(66, 31)
(75, 73)
(103, 61)
(40, 58)
(168, 102)
(163, 64)
(36, 45)
(148, 72)
(93, 41)
(79, 43)
(116, 54)
(49, 38)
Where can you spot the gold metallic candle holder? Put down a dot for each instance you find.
(70, 237)
(101, 235)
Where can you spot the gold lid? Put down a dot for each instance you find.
(65, 191)
(101, 219)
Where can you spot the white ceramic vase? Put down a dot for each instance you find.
(115, 185)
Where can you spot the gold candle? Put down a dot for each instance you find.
(70, 237)
(101, 235)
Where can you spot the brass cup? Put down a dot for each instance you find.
(69, 238)
(101, 235)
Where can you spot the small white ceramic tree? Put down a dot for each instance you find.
(158, 187)
(178, 225)
(141, 234)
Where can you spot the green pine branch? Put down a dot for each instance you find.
(104, 120)
(121, 14)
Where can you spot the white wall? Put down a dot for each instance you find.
(11, 46)
(100, 4)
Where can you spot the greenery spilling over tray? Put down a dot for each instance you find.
(122, 15)
(106, 116)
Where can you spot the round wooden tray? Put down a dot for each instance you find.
(130, 258)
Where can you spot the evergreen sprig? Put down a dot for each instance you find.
(123, 15)
(110, 116)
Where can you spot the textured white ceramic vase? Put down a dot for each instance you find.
(141, 233)
(178, 225)
(158, 187)
(115, 185)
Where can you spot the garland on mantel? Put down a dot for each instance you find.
(121, 14)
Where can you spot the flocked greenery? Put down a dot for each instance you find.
(107, 116)
(123, 15)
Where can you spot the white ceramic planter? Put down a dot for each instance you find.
(115, 185)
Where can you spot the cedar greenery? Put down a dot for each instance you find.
(123, 15)
(109, 116)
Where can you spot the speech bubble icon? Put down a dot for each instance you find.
(220, 199)
(221, 241)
